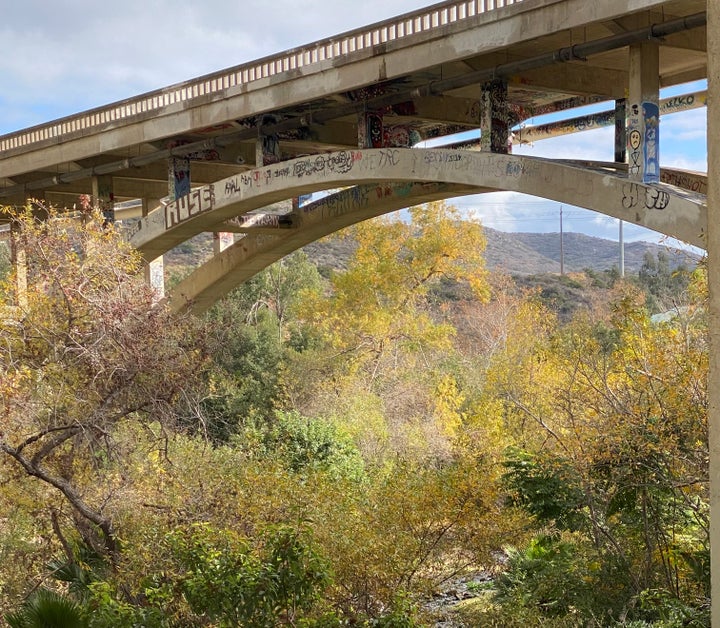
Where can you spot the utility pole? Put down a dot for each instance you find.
(622, 249)
(562, 250)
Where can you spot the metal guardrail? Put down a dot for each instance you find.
(405, 25)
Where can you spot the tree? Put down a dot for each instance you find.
(383, 338)
(85, 351)
(608, 414)
(664, 285)
(253, 332)
(380, 303)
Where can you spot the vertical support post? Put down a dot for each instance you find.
(620, 131)
(155, 270)
(178, 177)
(267, 146)
(18, 258)
(102, 191)
(643, 134)
(494, 126)
(713, 265)
(178, 186)
(222, 240)
(621, 157)
(370, 130)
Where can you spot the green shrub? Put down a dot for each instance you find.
(548, 575)
(546, 487)
(305, 444)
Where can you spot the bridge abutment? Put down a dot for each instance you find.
(713, 265)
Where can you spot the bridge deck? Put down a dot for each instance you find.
(422, 69)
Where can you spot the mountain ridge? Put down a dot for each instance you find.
(527, 253)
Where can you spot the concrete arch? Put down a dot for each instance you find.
(256, 251)
(665, 208)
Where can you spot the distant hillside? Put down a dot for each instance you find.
(534, 253)
(513, 253)
(529, 253)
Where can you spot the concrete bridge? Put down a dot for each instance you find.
(353, 112)
(455, 66)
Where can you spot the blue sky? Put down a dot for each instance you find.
(683, 145)
(71, 55)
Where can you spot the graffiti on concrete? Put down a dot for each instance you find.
(685, 180)
(400, 136)
(208, 154)
(370, 129)
(260, 221)
(634, 140)
(574, 125)
(644, 142)
(332, 168)
(178, 177)
(637, 195)
(196, 202)
(495, 135)
(373, 130)
(683, 102)
(355, 198)
(651, 148)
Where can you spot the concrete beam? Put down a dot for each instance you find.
(446, 110)
(674, 104)
(695, 40)
(571, 78)
(258, 223)
(643, 113)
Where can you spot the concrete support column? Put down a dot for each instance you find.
(370, 130)
(155, 270)
(222, 240)
(494, 123)
(621, 131)
(102, 191)
(267, 146)
(621, 157)
(643, 132)
(713, 266)
(178, 177)
(18, 258)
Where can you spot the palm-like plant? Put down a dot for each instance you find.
(48, 609)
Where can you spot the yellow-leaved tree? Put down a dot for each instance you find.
(83, 351)
(384, 335)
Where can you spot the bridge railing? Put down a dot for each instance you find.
(421, 21)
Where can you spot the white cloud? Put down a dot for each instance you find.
(595, 145)
(79, 54)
